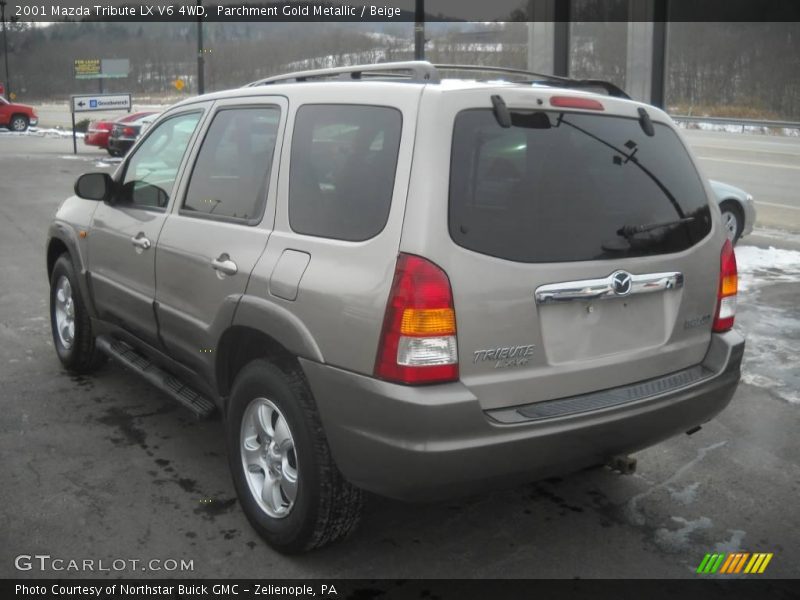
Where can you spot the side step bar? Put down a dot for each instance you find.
(129, 358)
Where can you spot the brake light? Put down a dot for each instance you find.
(128, 131)
(418, 340)
(728, 286)
(575, 102)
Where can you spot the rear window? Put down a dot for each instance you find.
(558, 187)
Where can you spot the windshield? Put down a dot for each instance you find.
(571, 187)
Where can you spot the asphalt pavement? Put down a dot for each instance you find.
(106, 467)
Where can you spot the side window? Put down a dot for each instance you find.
(152, 170)
(344, 159)
(231, 175)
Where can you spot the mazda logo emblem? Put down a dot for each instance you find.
(621, 283)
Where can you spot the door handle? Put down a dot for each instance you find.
(140, 241)
(224, 264)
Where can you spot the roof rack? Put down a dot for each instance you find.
(420, 71)
(552, 80)
(417, 71)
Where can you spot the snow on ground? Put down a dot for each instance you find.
(758, 266)
(731, 128)
(42, 132)
(769, 318)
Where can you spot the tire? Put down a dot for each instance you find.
(732, 220)
(112, 152)
(75, 347)
(18, 123)
(325, 507)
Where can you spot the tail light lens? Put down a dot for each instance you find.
(418, 341)
(728, 286)
(128, 131)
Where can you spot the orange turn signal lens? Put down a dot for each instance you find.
(428, 321)
(730, 285)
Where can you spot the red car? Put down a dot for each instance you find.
(99, 131)
(16, 117)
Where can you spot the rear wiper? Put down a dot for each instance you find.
(628, 231)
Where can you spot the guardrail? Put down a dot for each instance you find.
(743, 122)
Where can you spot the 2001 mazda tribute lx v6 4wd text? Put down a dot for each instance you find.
(389, 280)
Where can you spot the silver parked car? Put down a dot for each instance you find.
(737, 207)
(391, 281)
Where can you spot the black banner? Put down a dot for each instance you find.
(143, 11)
(437, 589)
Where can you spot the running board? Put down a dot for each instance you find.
(200, 406)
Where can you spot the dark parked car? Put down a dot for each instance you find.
(124, 134)
(99, 132)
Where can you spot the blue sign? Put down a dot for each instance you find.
(92, 103)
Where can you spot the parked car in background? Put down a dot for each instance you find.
(738, 209)
(17, 117)
(99, 131)
(124, 135)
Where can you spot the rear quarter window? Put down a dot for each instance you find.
(343, 165)
(571, 188)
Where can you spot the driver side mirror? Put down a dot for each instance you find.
(94, 186)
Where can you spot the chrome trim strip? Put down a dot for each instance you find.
(602, 289)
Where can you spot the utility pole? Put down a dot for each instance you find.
(5, 47)
(201, 76)
(419, 30)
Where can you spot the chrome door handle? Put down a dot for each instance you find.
(225, 265)
(140, 241)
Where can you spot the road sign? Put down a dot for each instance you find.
(94, 102)
(179, 84)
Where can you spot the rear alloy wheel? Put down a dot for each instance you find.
(287, 483)
(732, 221)
(18, 123)
(268, 458)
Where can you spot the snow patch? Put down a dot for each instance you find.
(732, 128)
(49, 132)
(678, 539)
(759, 266)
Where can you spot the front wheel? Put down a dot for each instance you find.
(18, 123)
(287, 483)
(732, 221)
(69, 320)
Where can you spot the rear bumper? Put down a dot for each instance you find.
(96, 138)
(120, 145)
(418, 443)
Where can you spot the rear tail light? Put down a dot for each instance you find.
(418, 341)
(128, 131)
(575, 102)
(728, 286)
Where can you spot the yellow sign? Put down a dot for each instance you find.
(12, 96)
(179, 85)
(87, 68)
